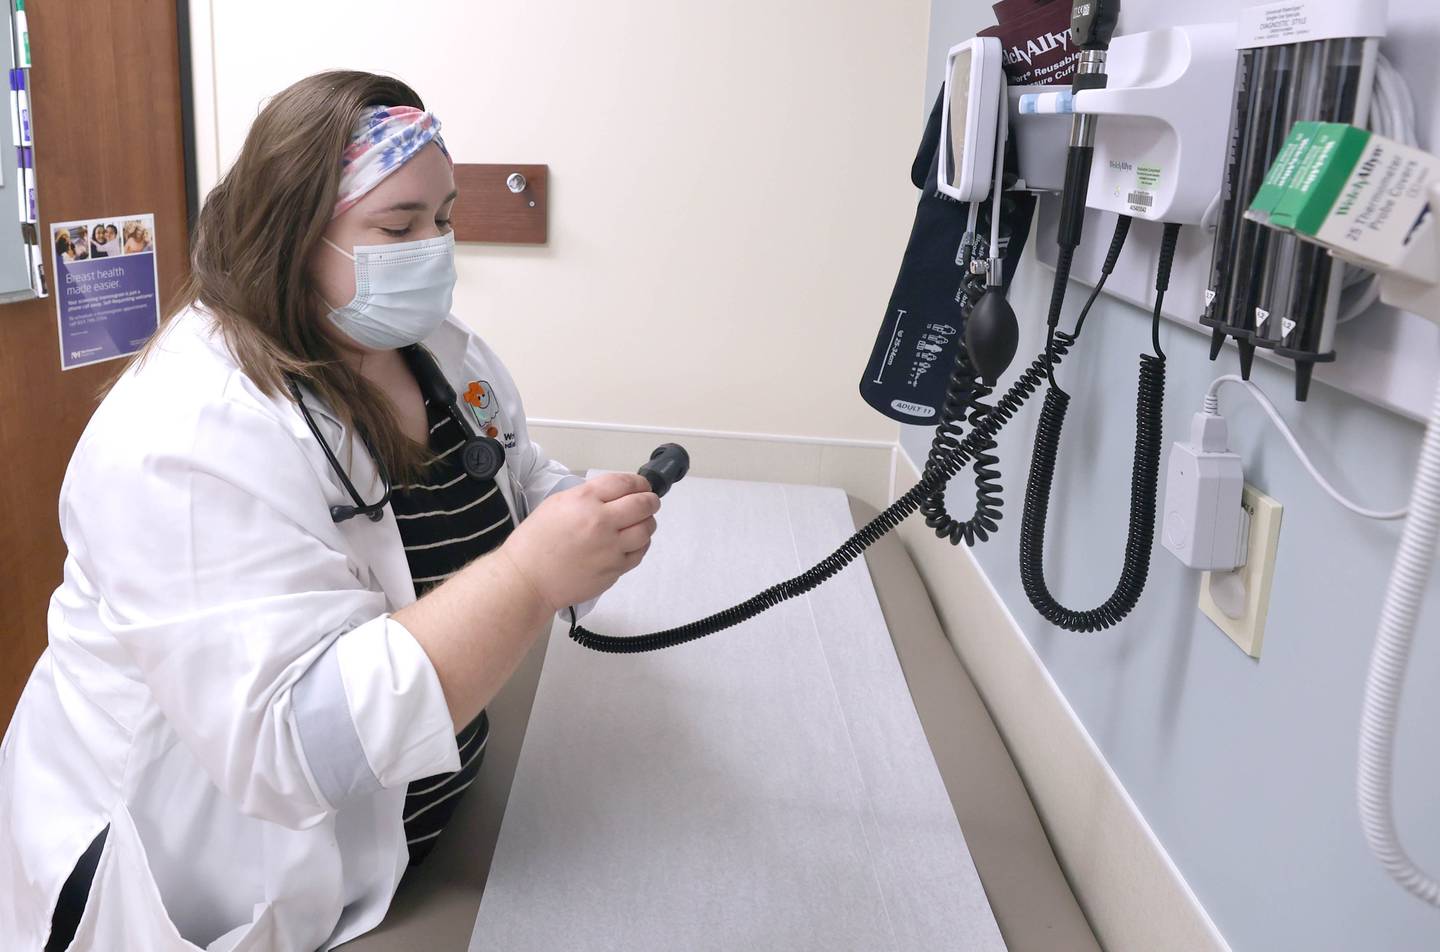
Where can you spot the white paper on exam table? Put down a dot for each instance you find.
(765, 788)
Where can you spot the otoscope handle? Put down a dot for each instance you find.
(1078, 159)
(1092, 24)
(666, 467)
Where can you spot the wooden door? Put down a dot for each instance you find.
(106, 96)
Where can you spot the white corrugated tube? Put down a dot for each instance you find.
(1408, 580)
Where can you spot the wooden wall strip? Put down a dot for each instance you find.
(487, 210)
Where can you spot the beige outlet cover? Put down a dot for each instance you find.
(1248, 631)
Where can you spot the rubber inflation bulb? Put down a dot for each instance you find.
(991, 335)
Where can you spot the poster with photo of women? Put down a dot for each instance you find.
(106, 299)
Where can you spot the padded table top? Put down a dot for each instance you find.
(435, 907)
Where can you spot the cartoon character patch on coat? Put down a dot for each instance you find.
(484, 408)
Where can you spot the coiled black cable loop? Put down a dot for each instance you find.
(1141, 532)
(1144, 475)
(967, 391)
(939, 470)
(948, 455)
(962, 405)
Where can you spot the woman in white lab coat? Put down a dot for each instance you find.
(243, 700)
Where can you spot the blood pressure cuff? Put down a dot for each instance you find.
(915, 351)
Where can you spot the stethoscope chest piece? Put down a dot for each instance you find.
(482, 457)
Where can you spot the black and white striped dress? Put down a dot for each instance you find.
(447, 519)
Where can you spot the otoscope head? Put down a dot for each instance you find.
(1092, 23)
(667, 465)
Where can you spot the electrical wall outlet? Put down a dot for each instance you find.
(1238, 601)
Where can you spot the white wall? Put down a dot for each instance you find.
(729, 185)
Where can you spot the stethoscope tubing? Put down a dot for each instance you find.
(482, 456)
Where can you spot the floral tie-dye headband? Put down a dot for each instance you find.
(385, 138)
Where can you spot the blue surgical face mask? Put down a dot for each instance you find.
(403, 292)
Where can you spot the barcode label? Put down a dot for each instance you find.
(1141, 198)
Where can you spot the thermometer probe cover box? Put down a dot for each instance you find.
(1282, 171)
(1358, 194)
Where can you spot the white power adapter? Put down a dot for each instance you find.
(1205, 526)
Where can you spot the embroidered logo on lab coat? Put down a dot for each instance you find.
(484, 407)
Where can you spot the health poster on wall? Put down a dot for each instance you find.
(107, 297)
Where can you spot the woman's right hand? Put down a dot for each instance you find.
(577, 543)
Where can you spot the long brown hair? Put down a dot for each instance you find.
(253, 241)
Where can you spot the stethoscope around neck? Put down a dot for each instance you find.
(482, 456)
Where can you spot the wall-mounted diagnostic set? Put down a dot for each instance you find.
(1249, 135)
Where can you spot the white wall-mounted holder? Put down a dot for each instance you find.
(1041, 137)
(1160, 150)
(1389, 356)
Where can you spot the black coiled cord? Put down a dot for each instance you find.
(939, 469)
(966, 391)
(1144, 476)
(985, 422)
(962, 405)
(1141, 533)
(949, 453)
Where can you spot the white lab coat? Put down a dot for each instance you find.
(224, 686)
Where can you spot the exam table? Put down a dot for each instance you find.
(436, 905)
